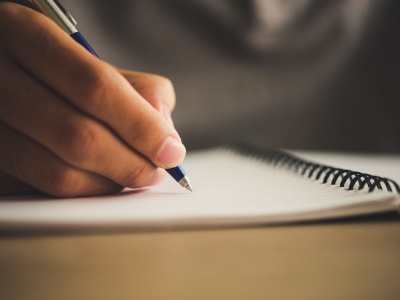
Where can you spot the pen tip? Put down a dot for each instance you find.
(188, 187)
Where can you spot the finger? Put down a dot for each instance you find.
(80, 141)
(93, 86)
(11, 186)
(157, 90)
(28, 162)
(158, 177)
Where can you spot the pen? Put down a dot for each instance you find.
(56, 12)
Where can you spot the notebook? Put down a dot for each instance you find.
(233, 186)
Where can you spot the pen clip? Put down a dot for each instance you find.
(66, 13)
(55, 11)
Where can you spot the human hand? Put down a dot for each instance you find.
(72, 125)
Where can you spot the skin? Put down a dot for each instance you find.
(72, 125)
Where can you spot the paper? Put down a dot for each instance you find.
(229, 190)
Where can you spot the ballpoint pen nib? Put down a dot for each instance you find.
(189, 187)
(185, 182)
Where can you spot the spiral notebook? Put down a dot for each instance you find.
(233, 186)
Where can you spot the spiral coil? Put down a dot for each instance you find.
(326, 174)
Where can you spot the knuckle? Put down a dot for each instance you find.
(13, 19)
(8, 11)
(139, 176)
(80, 143)
(167, 84)
(169, 90)
(8, 16)
(163, 83)
(60, 181)
(97, 88)
(158, 90)
(65, 182)
(18, 162)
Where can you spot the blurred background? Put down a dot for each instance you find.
(300, 74)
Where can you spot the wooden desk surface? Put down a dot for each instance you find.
(353, 259)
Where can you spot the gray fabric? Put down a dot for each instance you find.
(305, 74)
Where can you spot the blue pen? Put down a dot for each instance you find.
(55, 11)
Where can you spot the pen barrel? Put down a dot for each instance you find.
(81, 40)
(53, 10)
(177, 173)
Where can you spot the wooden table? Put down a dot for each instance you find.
(350, 259)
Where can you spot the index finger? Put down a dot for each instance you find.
(47, 52)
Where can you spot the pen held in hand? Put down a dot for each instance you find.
(56, 12)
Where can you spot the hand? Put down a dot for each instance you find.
(72, 125)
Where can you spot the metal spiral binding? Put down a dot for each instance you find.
(326, 174)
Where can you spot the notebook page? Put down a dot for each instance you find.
(229, 189)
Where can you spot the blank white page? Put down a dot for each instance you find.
(229, 190)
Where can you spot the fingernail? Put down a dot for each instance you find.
(171, 153)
